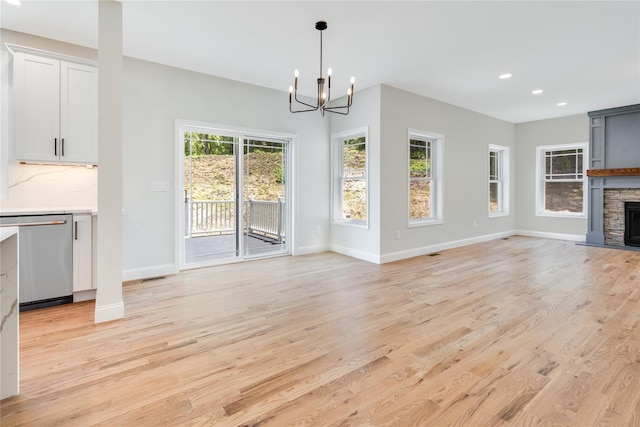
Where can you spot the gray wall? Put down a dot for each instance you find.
(154, 97)
(467, 136)
(356, 241)
(565, 130)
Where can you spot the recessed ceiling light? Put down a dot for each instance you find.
(561, 104)
(537, 91)
(505, 76)
(14, 2)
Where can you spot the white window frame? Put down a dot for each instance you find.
(502, 180)
(437, 167)
(337, 211)
(540, 179)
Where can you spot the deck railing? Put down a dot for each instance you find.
(206, 217)
(261, 218)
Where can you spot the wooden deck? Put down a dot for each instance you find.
(520, 331)
(222, 246)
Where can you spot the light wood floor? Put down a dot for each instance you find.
(519, 331)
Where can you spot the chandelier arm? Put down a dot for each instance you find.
(332, 110)
(315, 107)
(341, 107)
(301, 111)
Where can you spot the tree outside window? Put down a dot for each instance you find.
(562, 189)
(425, 177)
(350, 178)
(498, 180)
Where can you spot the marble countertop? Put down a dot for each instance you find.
(48, 211)
(6, 232)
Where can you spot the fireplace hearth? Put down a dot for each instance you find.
(632, 224)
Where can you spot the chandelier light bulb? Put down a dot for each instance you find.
(329, 72)
(353, 80)
(290, 89)
(296, 73)
(349, 92)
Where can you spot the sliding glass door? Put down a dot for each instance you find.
(264, 195)
(235, 196)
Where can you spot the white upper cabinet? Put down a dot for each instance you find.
(56, 110)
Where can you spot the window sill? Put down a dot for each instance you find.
(498, 214)
(562, 215)
(425, 223)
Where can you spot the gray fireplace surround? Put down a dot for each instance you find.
(614, 172)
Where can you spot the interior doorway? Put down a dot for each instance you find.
(234, 196)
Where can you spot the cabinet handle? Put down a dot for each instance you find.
(55, 146)
(62, 149)
(76, 230)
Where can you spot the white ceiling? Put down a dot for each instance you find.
(584, 53)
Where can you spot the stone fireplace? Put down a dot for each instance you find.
(615, 218)
(614, 173)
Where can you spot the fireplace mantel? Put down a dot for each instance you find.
(614, 172)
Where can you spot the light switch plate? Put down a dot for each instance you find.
(159, 186)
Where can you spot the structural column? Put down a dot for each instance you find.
(109, 304)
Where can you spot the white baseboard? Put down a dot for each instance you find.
(109, 312)
(424, 250)
(365, 256)
(557, 236)
(147, 272)
(305, 250)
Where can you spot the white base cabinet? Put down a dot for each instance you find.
(82, 253)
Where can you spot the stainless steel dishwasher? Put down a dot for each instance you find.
(45, 257)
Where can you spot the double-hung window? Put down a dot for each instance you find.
(425, 177)
(350, 178)
(561, 188)
(498, 180)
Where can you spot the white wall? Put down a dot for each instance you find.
(154, 97)
(361, 242)
(565, 130)
(467, 136)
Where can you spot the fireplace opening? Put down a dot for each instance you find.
(632, 223)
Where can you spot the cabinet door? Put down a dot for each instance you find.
(36, 84)
(82, 270)
(78, 113)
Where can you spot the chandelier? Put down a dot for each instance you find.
(323, 97)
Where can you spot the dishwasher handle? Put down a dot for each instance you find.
(33, 224)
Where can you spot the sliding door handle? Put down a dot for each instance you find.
(55, 146)
(62, 147)
(75, 231)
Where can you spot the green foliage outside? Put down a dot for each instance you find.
(204, 144)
